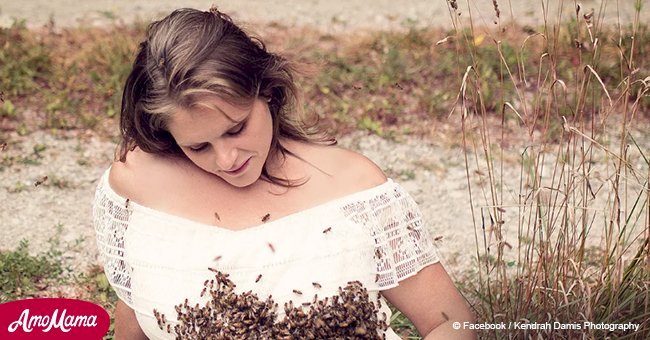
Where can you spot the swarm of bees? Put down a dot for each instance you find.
(228, 315)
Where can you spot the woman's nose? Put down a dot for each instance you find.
(226, 156)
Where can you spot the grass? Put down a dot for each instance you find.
(575, 246)
(380, 82)
(23, 275)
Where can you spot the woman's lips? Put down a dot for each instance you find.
(240, 169)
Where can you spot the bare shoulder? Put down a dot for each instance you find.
(138, 178)
(353, 170)
(362, 170)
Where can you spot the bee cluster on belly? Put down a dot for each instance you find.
(227, 315)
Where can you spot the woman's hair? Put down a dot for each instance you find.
(190, 54)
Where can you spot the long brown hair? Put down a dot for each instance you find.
(191, 53)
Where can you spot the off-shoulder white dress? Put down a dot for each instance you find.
(155, 260)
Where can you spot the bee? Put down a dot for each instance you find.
(216, 215)
(258, 278)
(297, 292)
(271, 247)
(327, 230)
(438, 238)
(217, 258)
(212, 270)
(399, 86)
(445, 316)
(126, 204)
(316, 285)
(360, 330)
(266, 217)
(40, 181)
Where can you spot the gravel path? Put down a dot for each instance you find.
(60, 208)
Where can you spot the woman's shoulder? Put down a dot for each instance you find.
(352, 170)
(140, 176)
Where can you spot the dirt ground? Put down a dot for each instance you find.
(331, 16)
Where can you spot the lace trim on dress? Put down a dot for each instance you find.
(111, 220)
(403, 244)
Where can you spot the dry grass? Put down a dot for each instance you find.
(568, 240)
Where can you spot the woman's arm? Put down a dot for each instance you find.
(126, 325)
(432, 302)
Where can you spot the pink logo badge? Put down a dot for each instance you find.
(52, 318)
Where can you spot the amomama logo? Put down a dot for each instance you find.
(52, 319)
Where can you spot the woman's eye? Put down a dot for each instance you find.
(237, 130)
(199, 148)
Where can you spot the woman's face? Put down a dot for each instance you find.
(227, 140)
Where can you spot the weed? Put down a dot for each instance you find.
(563, 271)
(24, 60)
(23, 275)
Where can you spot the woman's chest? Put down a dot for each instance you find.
(236, 208)
(296, 262)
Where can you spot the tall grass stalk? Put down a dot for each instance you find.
(566, 238)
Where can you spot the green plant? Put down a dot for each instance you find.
(23, 275)
(24, 61)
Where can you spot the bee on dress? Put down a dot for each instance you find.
(258, 278)
(297, 292)
(271, 247)
(327, 230)
(316, 285)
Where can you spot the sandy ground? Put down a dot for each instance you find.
(431, 170)
(328, 15)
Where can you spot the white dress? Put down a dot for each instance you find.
(155, 260)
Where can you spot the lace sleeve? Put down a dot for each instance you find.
(110, 220)
(403, 244)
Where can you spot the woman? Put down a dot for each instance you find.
(227, 215)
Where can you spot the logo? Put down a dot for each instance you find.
(52, 318)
